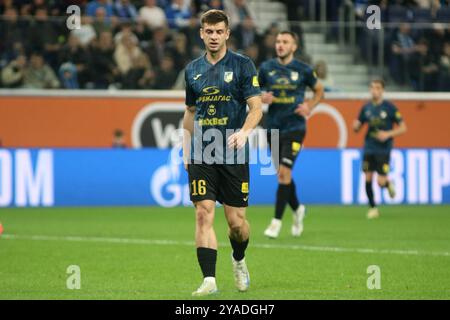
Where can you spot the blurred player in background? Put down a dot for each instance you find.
(285, 80)
(380, 116)
(219, 85)
(118, 139)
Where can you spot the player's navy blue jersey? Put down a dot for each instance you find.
(379, 117)
(288, 84)
(219, 93)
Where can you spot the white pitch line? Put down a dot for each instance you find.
(191, 243)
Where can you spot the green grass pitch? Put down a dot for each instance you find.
(148, 253)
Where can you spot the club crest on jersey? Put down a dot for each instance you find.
(228, 76)
(294, 75)
(383, 114)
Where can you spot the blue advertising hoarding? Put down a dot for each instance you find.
(153, 177)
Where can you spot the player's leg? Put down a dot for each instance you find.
(286, 182)
(203, 180)
(296, 145)
(383, 170)
(290, 146)
(206, 244)
(368, 169)
(234, 193)
(239, 235)
(373, 210)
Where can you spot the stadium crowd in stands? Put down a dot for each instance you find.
(416, 41)
(145, 44)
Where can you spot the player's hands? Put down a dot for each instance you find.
(382, 135)
(303, 110)
(237, 140)
(356, 126)
(267, 97)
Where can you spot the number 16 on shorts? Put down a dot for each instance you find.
(198, 187)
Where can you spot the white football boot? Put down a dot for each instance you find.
(241, 275)
(373, 213)
(391, 190)
(273, 230)
(207, 287)
(297, 223)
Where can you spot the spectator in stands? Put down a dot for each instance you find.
(177, 15)
(444, 67)
(140, 76)
(10, 29)
(58, 8)
(124, 9)
(252, 52)
(13, 74)
(436, 37)
(245, 33)
(195, 43)
(68, 76)
(39, 75)
(424, 68)
(266, 49)
(273, 28)
(215, 4)
(35, 4)
(238, 10)
(104, 69)
(12, 52)
(158, 47)
(86, 34)
(427, 4)
(200, 6)
(125, 28)
(293, 16)
(325, 78)
(402, 49)
(166, 75)
(100, 22)
(5, 5)
(152, 15)
(180, 51)
(92, 7)
(78, 56)
(127, 51)
(44, 37)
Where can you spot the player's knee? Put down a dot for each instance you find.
(236, 230)
(382, 182)
(204, 215)
(284, 177)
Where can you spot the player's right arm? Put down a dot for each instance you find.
(188, 120)
(358, 123)
(188, 130)
(357, 126)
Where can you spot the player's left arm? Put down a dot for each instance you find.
(317, 87)
(383, 135)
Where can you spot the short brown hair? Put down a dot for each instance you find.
(214, 17)
(292, 34)
(380, 81)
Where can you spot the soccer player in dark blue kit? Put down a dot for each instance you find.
(380, 116)
(219, 86)
(285, 80)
